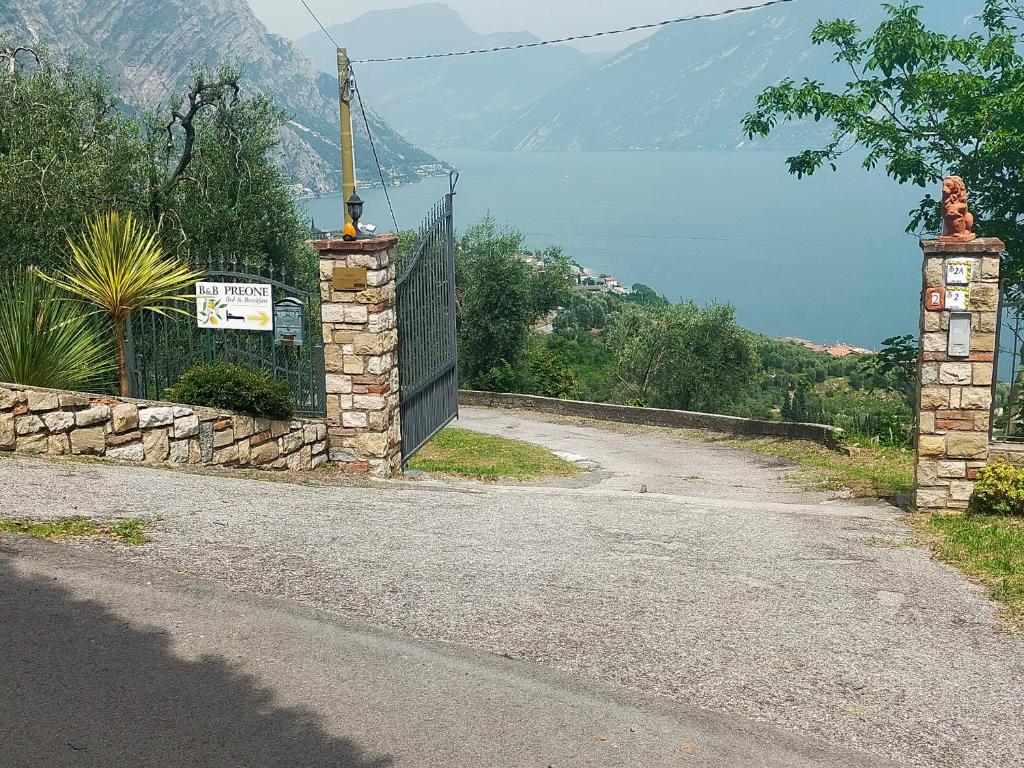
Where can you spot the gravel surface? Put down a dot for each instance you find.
(777, 605)
(107, 667)
(629, 457)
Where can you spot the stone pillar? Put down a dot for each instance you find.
(361, 353)
(955, 394)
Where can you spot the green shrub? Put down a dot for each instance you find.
(999, 490)
(223, 385)
(549, 376)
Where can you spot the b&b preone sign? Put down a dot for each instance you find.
(235, 306)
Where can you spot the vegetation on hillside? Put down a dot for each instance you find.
(198, 170)
(641, 349)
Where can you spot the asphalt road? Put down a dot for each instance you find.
(129, 667)
(722, 589)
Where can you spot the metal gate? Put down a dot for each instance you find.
(160, 348)
(427, 356)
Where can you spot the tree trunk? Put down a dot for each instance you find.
(122, 365)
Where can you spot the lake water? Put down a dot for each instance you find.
(825, 258)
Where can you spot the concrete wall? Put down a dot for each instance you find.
(656, 417)
(55, 423)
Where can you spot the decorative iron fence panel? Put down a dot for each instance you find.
(427, 352)
(1007, 405)
(161, 348)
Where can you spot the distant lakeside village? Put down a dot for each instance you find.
(585, 279)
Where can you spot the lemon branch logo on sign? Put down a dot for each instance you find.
(235, 306)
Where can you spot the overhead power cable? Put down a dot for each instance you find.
(366, 120)
(310, 10)
(373, 146)
(572, 38)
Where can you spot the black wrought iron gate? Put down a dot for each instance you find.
(427, 357)
(160, 348)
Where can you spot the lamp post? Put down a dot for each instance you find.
(355, 212)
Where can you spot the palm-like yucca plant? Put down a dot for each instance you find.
(48, 339)
(119, 266)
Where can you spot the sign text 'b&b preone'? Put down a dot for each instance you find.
(235, 306)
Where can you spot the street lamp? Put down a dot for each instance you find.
(355, 212)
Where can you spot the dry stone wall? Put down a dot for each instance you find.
(54, 423)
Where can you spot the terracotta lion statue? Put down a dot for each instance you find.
(958, 220)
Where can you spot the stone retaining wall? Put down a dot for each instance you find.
(656, 417)
(1006, 453)
(56, 423)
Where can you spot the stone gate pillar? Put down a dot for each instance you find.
(357, 288)
(961, 290)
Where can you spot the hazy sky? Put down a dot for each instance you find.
(545, 18)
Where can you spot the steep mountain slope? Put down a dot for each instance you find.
(149, 47)
(688, 86)
(444, 102)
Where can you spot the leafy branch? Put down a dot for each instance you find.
(921, 105)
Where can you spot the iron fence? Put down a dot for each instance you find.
(160, 348)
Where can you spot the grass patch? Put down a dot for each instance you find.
(130, 531)
(988, 548)
(485, 457)
(868, 471)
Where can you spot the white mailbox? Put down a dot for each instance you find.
(960, 334)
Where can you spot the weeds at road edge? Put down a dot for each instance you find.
(987, 548)
(461, 453)
(131, 531)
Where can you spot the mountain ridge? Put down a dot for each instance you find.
(688, 85)
(443, 102)
(148, 47)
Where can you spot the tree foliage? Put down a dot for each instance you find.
(217, 187)
(684, 356)
(200, 171)
(66, 155)
(500, 298)
(922, 105)
(895, 367)
(585, 314)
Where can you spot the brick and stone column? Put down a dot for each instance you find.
(357, 288)
(955, 395)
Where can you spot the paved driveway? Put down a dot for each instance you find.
(113, 667)
(738, 595)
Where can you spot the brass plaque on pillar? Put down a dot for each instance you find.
(349, 279)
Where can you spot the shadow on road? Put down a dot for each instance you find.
(80, 686)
